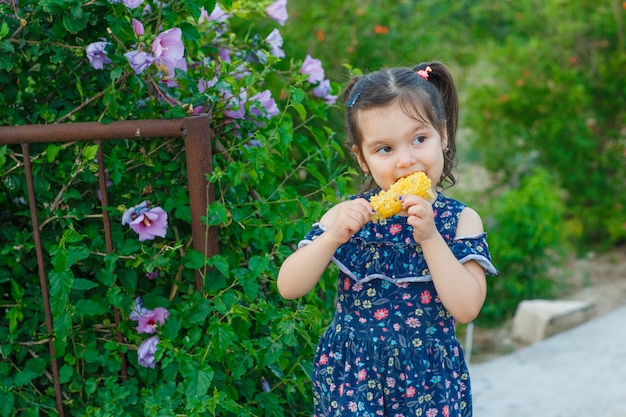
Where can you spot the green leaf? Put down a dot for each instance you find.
(74, 20)
(197, 378)
(194, 259)
(222, 338)
(34, 368)
(90, 307)
(221, 264)
(60, 286)
(7, 402)
(52, 151)
(82, 284)
(4, 30)
(90, 152)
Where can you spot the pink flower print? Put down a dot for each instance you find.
(146, 351)
(147, 322)
(352, 406)
(381, 314)
(391, 382)
(431, 412)
(323, 359)
(395, 229)
(147, 222)
(277, 11)
(396, 327)
(410, 392)
(445, 411)
(362, 375)
(346, 284)
(413, 322)
(426, 297)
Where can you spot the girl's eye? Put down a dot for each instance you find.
(384, 149)
(419, 139)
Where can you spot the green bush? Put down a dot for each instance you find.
(553, 95)
(526, 239)
(236, 348)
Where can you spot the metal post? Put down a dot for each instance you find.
(42, 275)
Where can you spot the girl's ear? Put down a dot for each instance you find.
(360, 160)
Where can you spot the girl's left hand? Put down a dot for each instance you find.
(421, 217)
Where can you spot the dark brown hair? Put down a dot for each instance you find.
(433, 101)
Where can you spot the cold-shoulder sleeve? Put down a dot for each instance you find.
(473, 248)
(313, 234)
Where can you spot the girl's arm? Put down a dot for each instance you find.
(302, 269)
(462, 288)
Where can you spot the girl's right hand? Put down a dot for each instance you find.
(345, 219)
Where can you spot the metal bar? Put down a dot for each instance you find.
(198, 138)
(89, 131)
(42, 275)
(198, 141)
(108, 237)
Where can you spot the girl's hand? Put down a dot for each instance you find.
(421, 217)
(345, 219)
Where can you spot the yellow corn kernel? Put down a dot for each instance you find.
(386, 203)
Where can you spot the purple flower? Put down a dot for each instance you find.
(203, 85)
(235, 105)
(147, 322)
(97, 54)
(146, 351)
(275, 42)
(253, 143)
(139, 60)
(277, 11)
(168, 47)
(323, 91)
(218, 15)
(171, 71)
(312, 67)
(153, 274)
(138, 310)
(147, 222)
(268, 105)
(138, 27)
(132, 4)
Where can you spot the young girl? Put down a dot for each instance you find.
(391, 349)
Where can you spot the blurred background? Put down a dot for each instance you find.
(542, 141)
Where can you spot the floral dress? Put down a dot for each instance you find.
(391, 349)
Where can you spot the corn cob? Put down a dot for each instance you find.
(386, 203)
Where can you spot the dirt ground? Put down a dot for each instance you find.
(597, 278)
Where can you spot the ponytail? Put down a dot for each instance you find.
(441, 78)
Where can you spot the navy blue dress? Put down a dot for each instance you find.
(391, 349)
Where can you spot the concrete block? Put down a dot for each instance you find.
(536, 320)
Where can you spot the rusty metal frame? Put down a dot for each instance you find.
(198, 137)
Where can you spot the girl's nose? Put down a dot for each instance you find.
(405, 159)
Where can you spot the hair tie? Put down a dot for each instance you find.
(424, 73)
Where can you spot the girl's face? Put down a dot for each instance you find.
(395, 145)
